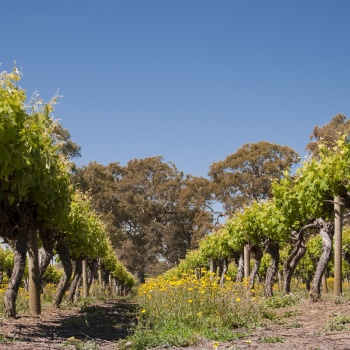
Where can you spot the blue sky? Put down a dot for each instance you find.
(189, 80)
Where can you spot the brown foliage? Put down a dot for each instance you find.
(246, 175)
(153, 213)
(328, 134)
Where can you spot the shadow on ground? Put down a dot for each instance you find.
(107, 322)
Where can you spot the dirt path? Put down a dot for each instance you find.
(306, 326)
(93, 327)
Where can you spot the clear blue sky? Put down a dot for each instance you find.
(190, 80)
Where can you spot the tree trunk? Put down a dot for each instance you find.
(63, 253)
(105, 279)
(77, 290)
(76, 278)
(240, 272)
(46, 252)
(34, 274)
(292, 262)
(326, 232)
(224, 271)
(272, 248)
(92, 272)
(338, 225)
(85, 279)
(118, 284)
(141, 276)
(20, 250)
(308, 283)
(280, 281)
(258, 254)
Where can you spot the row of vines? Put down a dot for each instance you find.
(42, 214)
(290, 234)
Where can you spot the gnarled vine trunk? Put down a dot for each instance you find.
(20, 251)
(240, 272)
(63, 253)
(273, 249)
(326, 233)
(291, 263)
(92, 272)
(34, 282)
(76, 279)
(258, 254)
(224, 271)
(46, 252)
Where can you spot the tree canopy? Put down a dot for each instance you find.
(247, 174)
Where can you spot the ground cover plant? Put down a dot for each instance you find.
(180, 311)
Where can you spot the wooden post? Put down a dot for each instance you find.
(34, 274)
(100, 285)
(324, 283)
(110, 281)
(212, 269)
(246, 262)
(85, 279)
(280, 281)
(338, 221)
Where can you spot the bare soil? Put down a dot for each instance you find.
(94, 327)
(307, 326)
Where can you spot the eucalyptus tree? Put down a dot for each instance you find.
(153, 213)
(245, 176)
(328, 134)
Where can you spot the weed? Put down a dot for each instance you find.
(295, 325)
(318, 333)
(339, 323)
(282, 301)
(289, 314)
(270, 340)
(79, 344)
(269, 315)
(341, 299)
